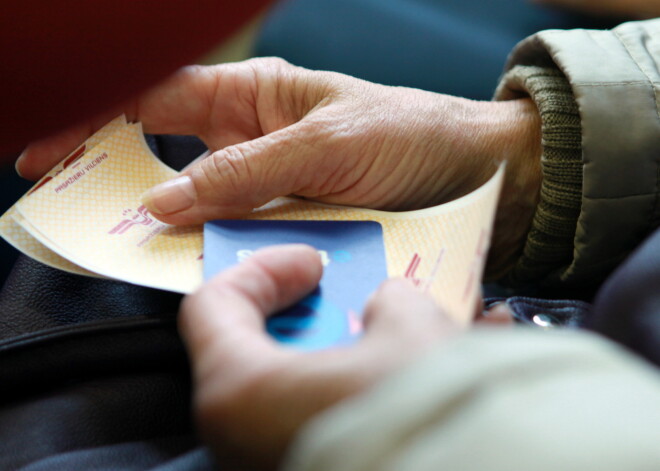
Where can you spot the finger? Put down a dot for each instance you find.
(400, 323)
(223, 322)
(40, 156)
(398, 313)
(500, 314)
(239, 178)
(183, 104)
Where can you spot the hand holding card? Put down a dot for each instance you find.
(353, 256)
(86, 217)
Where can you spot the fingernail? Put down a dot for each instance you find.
(170, 197)
(18, 164)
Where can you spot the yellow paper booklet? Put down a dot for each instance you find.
(12, 224)
(85, 217)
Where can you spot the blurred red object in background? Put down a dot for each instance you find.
(64, 61)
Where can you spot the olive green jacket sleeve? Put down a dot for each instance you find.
(598, 94)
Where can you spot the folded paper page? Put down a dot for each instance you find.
(87, 218)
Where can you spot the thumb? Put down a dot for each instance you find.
(234, 180)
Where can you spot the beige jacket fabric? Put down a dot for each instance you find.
(524, 399)
(498, 401)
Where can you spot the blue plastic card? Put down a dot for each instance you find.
(353, 255)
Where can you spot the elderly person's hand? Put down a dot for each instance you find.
(275, 129)
(633, 9)
(252, 395)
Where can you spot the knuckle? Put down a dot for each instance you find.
(262, 291)
(274, 73)
(269, 62)
(189, 72)
(265, 68)
(228, 170)
(192, 69)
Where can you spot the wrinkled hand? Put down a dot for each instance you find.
(276, 129)
(251, 394)
(632, 9)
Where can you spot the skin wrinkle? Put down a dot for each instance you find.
(448, 181)
(259, 100)
(213, 97)
(224, 169)
(373, 144)
(334, 178)
(368, 190)
(466, 117)
(377, 147)
(302, 106)
(394, 135)
(273, 96)
(406, 178)
(246, 100)
(369, 195)
(318, 146)
(302, 98)
(286, 145)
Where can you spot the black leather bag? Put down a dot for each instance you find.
(93, 374)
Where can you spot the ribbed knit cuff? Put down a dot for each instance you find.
(549, 245)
